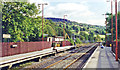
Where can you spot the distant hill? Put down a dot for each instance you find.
(80, 29)
(68, 21)
(58, 20)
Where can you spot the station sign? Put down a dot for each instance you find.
(108, 34)
(6, 35)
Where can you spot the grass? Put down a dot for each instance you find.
(21, 66)
(83, 44)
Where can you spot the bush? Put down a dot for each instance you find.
(71, 40)
(77, 41)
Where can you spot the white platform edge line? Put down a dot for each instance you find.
(90, 58)
(114, 55)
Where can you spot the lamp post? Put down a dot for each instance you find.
(42, 15)
(64, 26)
(64, 31)
(111, 18)
(106, 28)
(116, 30)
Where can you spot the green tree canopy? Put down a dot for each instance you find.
(17, 20)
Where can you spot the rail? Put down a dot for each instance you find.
(58, 61)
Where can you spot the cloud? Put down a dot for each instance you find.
(75, 11)
(97, 22)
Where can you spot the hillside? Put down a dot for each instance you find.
(80, 29)
(77, 27)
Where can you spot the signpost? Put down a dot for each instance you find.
(6, 35)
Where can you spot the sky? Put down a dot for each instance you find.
(82, 11)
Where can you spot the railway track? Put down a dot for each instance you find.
(66, 60)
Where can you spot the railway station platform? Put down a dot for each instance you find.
(102, 59)
(14, 59)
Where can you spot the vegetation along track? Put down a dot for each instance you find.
(64, 60)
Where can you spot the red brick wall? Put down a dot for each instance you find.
(66, 43)
(23, 47)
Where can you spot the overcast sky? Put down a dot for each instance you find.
(82, 11)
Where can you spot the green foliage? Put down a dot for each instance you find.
(91, 36)
(97, 38)
(114, 29)
(77, 41)
(18, 22)
(71, 40)
(84, 35)
(85, 31)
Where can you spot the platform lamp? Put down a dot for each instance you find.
(42, 15)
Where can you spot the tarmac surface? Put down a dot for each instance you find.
(102, 58)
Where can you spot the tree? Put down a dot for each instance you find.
(114, 31)
(91, 36)
(97, 38)
(17, 20)
(86, 36)
(83, 36)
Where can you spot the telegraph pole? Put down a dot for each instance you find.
(42, 16)
(64, 31)
(64, 26)
(112, 19)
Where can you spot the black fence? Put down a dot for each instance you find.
(114, 48)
